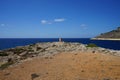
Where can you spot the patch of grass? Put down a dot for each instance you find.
(91, 45)
(18, 50)
(30, 49)
(6, 65)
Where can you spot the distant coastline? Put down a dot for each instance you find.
(113, 35)
(114, 39)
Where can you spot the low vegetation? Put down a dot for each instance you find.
(3, 66)
(3, 54)
(114, 34)
(18, 50)
(91, 45)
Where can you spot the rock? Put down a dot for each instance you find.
(48, 49)
(34, 75)
(38, 48)
(23, 53)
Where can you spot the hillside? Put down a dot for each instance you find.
(114, 34)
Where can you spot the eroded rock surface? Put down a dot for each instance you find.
(18, 54)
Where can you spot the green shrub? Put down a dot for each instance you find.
(3, 66)
(18, 50)
(91, 45)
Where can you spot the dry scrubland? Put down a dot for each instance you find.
(81, 64)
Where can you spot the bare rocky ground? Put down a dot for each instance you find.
(59, 61)
(66, 66)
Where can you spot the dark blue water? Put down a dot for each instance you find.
(13, 42)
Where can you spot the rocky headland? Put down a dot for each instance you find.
(22, 53)
(112, 35)
(59, 61)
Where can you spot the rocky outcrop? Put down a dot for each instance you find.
(18, 54)
(114, 34)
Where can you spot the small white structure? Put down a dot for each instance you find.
(60, 39)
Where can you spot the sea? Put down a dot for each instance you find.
(6, 43)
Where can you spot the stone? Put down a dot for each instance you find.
(34, 75)
(23, 53)
(48, 49)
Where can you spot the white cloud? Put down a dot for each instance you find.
(83, 26)
(59, 20)
(52, 21)
(2, 24)
(44, 21)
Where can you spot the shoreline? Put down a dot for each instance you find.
(115, 39)
(54, 57)
(18, 54)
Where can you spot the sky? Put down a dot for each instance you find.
(58, 18)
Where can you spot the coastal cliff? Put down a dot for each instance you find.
(112, 35)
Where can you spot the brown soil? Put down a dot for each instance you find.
(66, 66)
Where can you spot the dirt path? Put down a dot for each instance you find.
(66, 66)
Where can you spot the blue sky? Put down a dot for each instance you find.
(58, 18)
